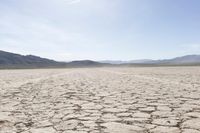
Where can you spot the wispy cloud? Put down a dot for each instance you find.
(37, 36)
(193, 48)
(73, 1)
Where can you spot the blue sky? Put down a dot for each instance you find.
(100, 29)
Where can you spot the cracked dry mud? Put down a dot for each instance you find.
(100, 100)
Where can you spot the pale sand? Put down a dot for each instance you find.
(100, 100)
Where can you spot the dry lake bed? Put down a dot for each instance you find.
(100, 100)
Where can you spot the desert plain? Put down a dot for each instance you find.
(100, 100)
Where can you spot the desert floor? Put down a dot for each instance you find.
(100, 100)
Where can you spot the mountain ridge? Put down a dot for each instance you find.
(187, 59)
(13, 60)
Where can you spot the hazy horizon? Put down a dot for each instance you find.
(66, 30)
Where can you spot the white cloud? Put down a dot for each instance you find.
(193, 48)
(73, 1)
(28, 35)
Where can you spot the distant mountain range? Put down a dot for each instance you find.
(188, 59)
(85, 63)
(125, 62)
(12, 60)
(184, 60)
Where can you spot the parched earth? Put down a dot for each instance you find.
(100, 100)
